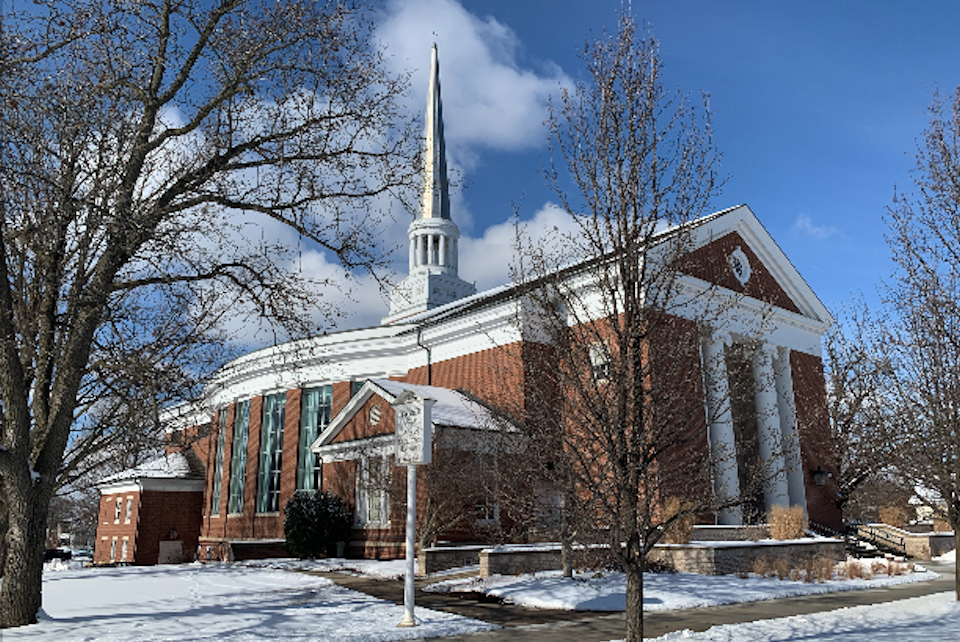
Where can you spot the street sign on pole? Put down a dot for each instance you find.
(414, 432)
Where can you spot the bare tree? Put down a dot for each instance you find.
(145, 149)
(620, 387)
(859, 384)
(924, 302)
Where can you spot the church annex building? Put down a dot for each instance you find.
(316, 414)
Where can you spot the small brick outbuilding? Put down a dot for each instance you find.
(151, 514)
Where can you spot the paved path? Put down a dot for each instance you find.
(541, 625)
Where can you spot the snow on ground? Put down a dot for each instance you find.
(262, 600)
(376, 569)
(947, 557)
(932, 618)
(662, 591)
(218, 602)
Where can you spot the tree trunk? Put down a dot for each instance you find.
(21, 592)
(566, 541)
(956, 562)
(634, 602)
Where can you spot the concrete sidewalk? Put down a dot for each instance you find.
(536, 625)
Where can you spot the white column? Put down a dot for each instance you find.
(422, 248)
(769, 436)
(723, 447)
(443, 250)
(790, 433)
(413, 253)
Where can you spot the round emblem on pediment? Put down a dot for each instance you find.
(375, 414)
(740, 265)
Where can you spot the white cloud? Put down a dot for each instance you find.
(804, 224)
(488, 260)
(490, 103)
(489, 100)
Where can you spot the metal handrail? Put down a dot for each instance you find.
(879, 537)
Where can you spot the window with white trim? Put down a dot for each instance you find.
(113, 550)
(271, 453)
(216, 491)
(116, 511)
(373, 485)
(238, 458)
(315, 404)
(129, 510)
(123, 551)
(600, 361)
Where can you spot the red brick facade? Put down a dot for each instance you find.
(155, 516)
(816, 446)
(710, 263)
(509, 377)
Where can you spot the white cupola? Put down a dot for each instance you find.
(432, 280)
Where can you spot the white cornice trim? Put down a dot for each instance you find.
(355, 449)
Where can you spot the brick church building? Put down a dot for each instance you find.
(316, 414)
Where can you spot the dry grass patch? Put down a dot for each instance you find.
(893, 515)
(680, 531)
(787, 523)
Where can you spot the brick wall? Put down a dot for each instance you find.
(291, 443)
(816, 445)
(215, 526)
(162, 513)
(110, 529)
(360, 427)
(711, 263)
(492, 375)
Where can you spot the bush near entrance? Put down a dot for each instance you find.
(315, 522)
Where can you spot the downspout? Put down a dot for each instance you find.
(429, 377)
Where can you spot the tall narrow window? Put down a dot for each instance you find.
(123, 551)
(271, 453)
(373, 480)
(238, 459)
(129, 512)
(314, 417)
(218, 462)
(600, 361)
(116, 512)
(113, 550)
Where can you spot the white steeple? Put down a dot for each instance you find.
(432, 280)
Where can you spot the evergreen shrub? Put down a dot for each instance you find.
(314, 523)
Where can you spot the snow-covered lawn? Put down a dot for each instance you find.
(607, 591)
(932, 618)
(218, 602)
(376, 569)
(263, 600)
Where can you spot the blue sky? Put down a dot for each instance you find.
(817, 109)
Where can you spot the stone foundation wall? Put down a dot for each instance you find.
(433, 560)
(708, 533)
(516, 560)
(733, 558)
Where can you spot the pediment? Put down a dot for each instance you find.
(732, 244)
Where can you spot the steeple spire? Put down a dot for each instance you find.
(434, 237)
(436, 194)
